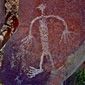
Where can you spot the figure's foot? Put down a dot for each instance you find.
(33, 72)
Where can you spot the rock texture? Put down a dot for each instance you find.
(2, 13)
(22, 51)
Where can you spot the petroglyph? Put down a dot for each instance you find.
(43, 29)
(65, 36)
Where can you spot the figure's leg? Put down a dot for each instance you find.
(51, 60)
(34, 71)
(41, 61)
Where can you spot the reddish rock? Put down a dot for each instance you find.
(70, 11)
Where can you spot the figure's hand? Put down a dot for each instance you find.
(65, 36)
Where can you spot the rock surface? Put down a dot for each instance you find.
(2, 13)
(18, 59)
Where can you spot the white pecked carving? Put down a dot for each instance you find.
(43, 29)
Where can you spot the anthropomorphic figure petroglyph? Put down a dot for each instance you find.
(44, 38)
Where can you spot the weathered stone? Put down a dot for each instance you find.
(23, 52)
(2, 13)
